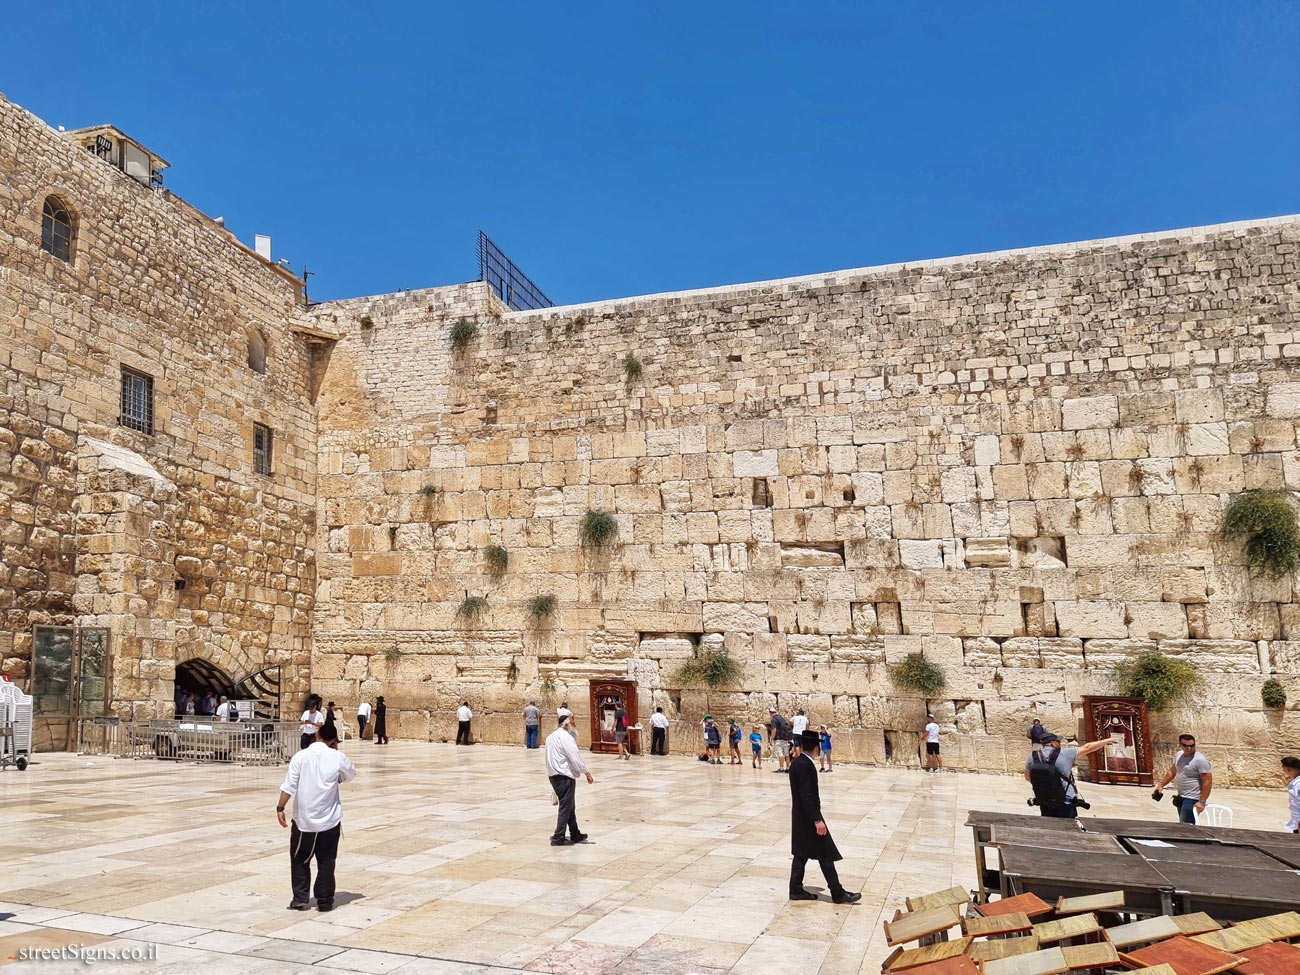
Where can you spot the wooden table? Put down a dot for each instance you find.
(981, 824)
(904, 959)
(1147, 829)
(1238, 894)
(1012, 923)
(1054, 839)
(1211, 854)
(1274, 958)
(1073, 926)
(1096, 955)
(1030, 904)
(1288, 853)
(918, 924)
(1045, 961)
(926, 902)
(1140, 932)
(1108, 900)
(1003, 947)
(1059, 873)
(1187, 957)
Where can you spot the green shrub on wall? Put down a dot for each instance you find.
(598, 529)
(915, 673)
(541, 608)
(471, 608)
(708, 668)
(1157, 679)
(1273, 694)
(462, 334)
(1266, 520)
(497, 559)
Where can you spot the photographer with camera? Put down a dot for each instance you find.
(1051, 774)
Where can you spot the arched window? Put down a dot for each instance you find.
(257, 351)
(56, 229)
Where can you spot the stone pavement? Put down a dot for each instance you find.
(445, 865)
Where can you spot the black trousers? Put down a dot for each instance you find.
(1068, 811)
(361, 725)
(462, 733)
(828, 871)
(305, 740)
(657, 738)
(567, 815)
(325, 848)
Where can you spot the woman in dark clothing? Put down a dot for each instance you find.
(381, 723)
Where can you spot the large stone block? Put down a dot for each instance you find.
(1091, 618)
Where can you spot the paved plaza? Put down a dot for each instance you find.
(445, 865)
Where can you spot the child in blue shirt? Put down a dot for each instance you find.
(756, 746)
(824, 734)
(733, 740)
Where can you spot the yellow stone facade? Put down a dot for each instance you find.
(1011, 463)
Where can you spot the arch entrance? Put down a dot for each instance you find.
(206, 681)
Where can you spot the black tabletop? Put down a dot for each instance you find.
(1274, 887)
(1113, 869)
(1209, 854)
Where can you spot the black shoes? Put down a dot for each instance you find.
(324, 906)
(560, 842)
(846, 897)
(300, 905)
(580, 838)
(802, 895)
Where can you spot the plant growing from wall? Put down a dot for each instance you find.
(1273, 694)
(512, 672)
(631, 368)
(1159, 680)
(471, 609)
(710, 669)
(496, 558)
(915, 673)
(367, 321)
(548, 688)
(393, 654)
(598, 529)
(541, 609)
(428, 490)
(1266, 520)
(462, 334)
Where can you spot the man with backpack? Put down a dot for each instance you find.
(1051, 774)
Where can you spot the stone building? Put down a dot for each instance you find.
(1011, 463)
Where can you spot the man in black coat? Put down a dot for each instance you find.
(809, 837)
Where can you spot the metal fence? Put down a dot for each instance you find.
(231, 742)
(511, 285)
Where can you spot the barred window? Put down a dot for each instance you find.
(56, 229)
(262, 449)
(137, 401)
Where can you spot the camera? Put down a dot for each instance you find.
(1031, 801)
(1082, 803)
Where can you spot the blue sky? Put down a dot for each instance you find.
(631, 147)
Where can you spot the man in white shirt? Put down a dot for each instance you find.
(223, 709)
(310, 723)
(932, 756)
(312, 781)
(363, 717)
(799, 723)
(463, 714)
(564, 764)
(658, 732)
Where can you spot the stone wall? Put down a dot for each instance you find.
(1012, 463)
(99, 522)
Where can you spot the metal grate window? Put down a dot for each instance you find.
(137, 401)
(56, 229)
(262, 449)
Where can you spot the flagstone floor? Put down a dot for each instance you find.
(445, 865)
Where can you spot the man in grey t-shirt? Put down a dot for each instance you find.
(1192, 770)
(532, 721)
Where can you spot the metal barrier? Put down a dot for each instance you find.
(191, 740)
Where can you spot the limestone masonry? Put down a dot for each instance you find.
(1013, 463)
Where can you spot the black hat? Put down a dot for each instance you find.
(809, 739)
(1051, 736)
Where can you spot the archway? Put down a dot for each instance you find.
(205, 680)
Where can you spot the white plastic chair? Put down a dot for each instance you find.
(1215, 815)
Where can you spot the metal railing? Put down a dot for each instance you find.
(192, 740)
(511, 285)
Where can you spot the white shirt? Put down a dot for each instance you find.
(799, 723)
(223, 711)
(659, 719)
(562, 712)
(1293, 795)
(932, 732)
(311, 720)
(363, 709)
(313, 781)
(562, 755)
(463, 713)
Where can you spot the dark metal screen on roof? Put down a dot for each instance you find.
(511, 285)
